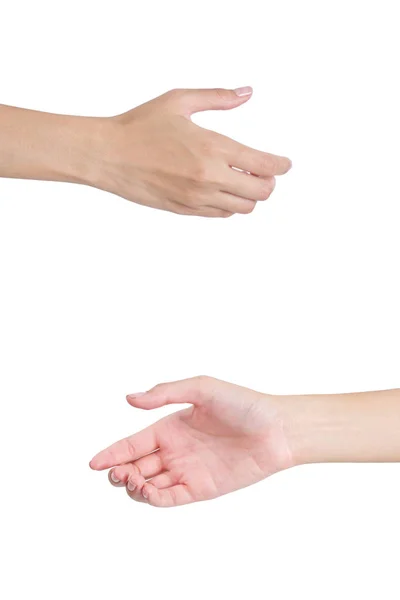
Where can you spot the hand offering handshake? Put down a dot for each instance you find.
(155, 155)
(232, 437)
(229, 438)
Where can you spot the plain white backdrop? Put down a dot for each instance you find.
(100, 297)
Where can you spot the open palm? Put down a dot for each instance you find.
(230, 437)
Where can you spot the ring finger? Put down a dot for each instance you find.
(240, 183)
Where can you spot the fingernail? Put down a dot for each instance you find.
(145, 493)
(131, 486)
(243, 91)
(136, 395)
(114, 478)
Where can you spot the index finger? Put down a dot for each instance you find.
(256, 162)
(126, 450)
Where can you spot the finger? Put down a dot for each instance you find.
(187, 391)
(173, 496)
(126, 450)
(255, 161)
(121, 475)
(117, 480)
(192, 100)
(150, 465)
(215, 213)
(164, 480)
(136, 495)
(134, 486)
(234, 203)
(247, 186)
(203, 211)
(129, 477)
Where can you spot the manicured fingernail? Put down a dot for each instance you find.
(136, 395)
(114, 478)
(243, 91)
(145, 493)
(131, 486)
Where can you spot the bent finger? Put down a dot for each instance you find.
(150, 465)
(176, 495)
(235, 204)
(164, 480)
(255, 161)
(120, 476)
(242, 184)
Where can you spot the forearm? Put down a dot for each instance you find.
(38, 145)
(362, 427)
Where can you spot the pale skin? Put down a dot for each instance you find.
(153, 155)
(232, 437)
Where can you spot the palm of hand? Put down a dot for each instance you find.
(213, 453)
(223, 443)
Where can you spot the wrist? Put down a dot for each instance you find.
(313, 426)
(82, 149)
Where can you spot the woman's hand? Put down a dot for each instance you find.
(153, 155)
(230, 437)
(156, 156)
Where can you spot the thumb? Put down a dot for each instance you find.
(214, 99)
(188, 391)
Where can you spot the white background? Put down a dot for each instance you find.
(100, 297)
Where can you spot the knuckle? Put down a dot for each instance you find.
(136, 471)
(174, 93)
(174, 98)
(130, 447)
(157, 388)
(201, 172)
(201, 378)
(224, 94)
(203, 381)
(265, 188)
(209, 145)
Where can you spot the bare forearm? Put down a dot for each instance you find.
(153, 155)
(362, 427)
(38, 145)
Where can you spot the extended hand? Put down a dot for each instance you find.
(230, 438)
(156, 156)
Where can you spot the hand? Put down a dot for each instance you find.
(156, 156)
(230, 437)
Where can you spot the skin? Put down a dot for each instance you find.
(153, 155)
(232, 437)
